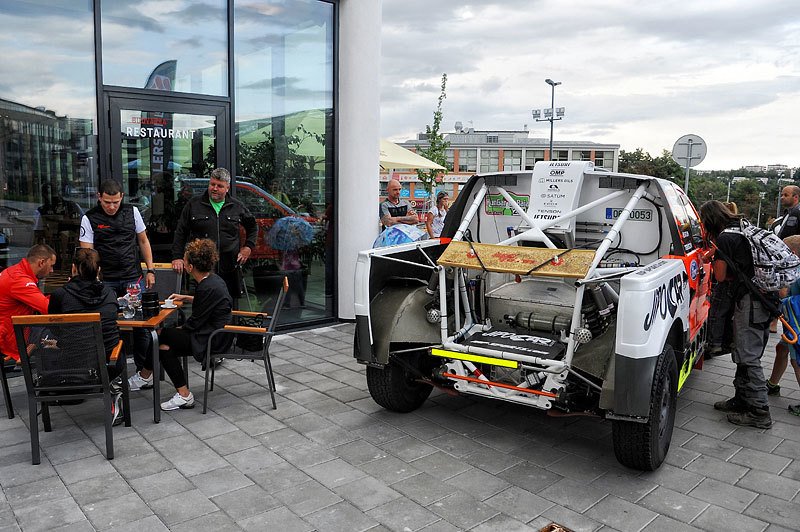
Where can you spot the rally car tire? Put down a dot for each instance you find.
(644, 446)
(396, 388)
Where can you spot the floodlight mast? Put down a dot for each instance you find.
(551, 116)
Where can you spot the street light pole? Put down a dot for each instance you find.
(552, 109)
(550, 114)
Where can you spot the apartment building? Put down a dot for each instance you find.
(472, 151)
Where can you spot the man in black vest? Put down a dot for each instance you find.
(118, 233)
(218, 216)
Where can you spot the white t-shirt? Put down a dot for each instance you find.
(87, 234)
(438, 220)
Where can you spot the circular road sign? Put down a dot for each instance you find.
(689, 150)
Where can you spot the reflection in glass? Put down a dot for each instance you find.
(47, 125)
(169, 46)
(284, 101)
(165, 157)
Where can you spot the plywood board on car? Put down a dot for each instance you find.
(572, 263)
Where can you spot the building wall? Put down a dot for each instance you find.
(358, 133)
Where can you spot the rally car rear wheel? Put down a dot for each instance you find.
(645, 445)
(397, 386)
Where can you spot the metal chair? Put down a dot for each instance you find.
(260, 326)
(64, 358)
(168, 282)
(4, 384)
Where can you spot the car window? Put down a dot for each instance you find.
(258, 205)
(682, 220)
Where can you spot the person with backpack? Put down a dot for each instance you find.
(749, 406)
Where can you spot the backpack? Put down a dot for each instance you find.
(775, 266)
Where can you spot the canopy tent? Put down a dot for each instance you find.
(394, 156)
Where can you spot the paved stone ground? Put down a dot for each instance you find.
(330, 459)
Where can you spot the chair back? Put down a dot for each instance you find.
(62, 352)
(168, 282)
(273, 318)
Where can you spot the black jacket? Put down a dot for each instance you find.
(200, 220)
(79, 296)
(790, 225)
(116, 241)
(211, 310)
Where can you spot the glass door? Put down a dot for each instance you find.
(161, 152)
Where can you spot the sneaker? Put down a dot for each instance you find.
(116, 410)
(115, 386)
(756, 417)
(773, 389)
(217, 362)
(178, 401)
(137, 382)
(734, 404)
(795, 409)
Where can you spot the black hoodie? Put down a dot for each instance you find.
(79, 296)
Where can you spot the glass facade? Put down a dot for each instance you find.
(168, 46)
(161, 118)
(283, 131)
(48, 125)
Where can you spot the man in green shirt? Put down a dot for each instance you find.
(218, 216)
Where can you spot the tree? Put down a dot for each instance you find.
(437, 146)
(636, 162)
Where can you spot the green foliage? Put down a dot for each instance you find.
(713, 185)
(437, 145)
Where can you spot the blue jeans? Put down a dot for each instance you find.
(141, 337)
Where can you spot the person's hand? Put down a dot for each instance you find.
(149, 280)
(177, 265)
(244, 254)
(180, 297)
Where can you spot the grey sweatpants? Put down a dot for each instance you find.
(751, 332)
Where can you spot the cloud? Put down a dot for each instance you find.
(637, 74)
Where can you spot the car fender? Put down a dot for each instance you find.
(653, 310)
(402, 320)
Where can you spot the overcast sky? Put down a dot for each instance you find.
(634, 73)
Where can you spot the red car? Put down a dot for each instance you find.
(264, 206)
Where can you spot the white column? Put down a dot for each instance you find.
(358, 131)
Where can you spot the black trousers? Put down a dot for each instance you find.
(179, 346)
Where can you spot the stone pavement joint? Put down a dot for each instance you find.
(330, 459)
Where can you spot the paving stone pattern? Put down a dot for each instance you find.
(330, 459)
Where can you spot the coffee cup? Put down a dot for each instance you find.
(169, 302)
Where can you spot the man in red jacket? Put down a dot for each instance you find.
(20, 294)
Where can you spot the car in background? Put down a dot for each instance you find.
(266, 208)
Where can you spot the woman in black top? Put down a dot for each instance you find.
(211, 310)
(85, 293)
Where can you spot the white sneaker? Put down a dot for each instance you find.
(178, 401)
(137, 382)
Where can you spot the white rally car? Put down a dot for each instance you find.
(564, 288)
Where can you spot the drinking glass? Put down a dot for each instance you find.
(134, 290)
(128, 311)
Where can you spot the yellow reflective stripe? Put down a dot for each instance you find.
(686, 369)
(475, 358)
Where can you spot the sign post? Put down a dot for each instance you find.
(688, 151)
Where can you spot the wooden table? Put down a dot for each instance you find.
(151, 325)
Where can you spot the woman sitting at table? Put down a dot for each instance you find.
(211, 310)
(85, 293)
